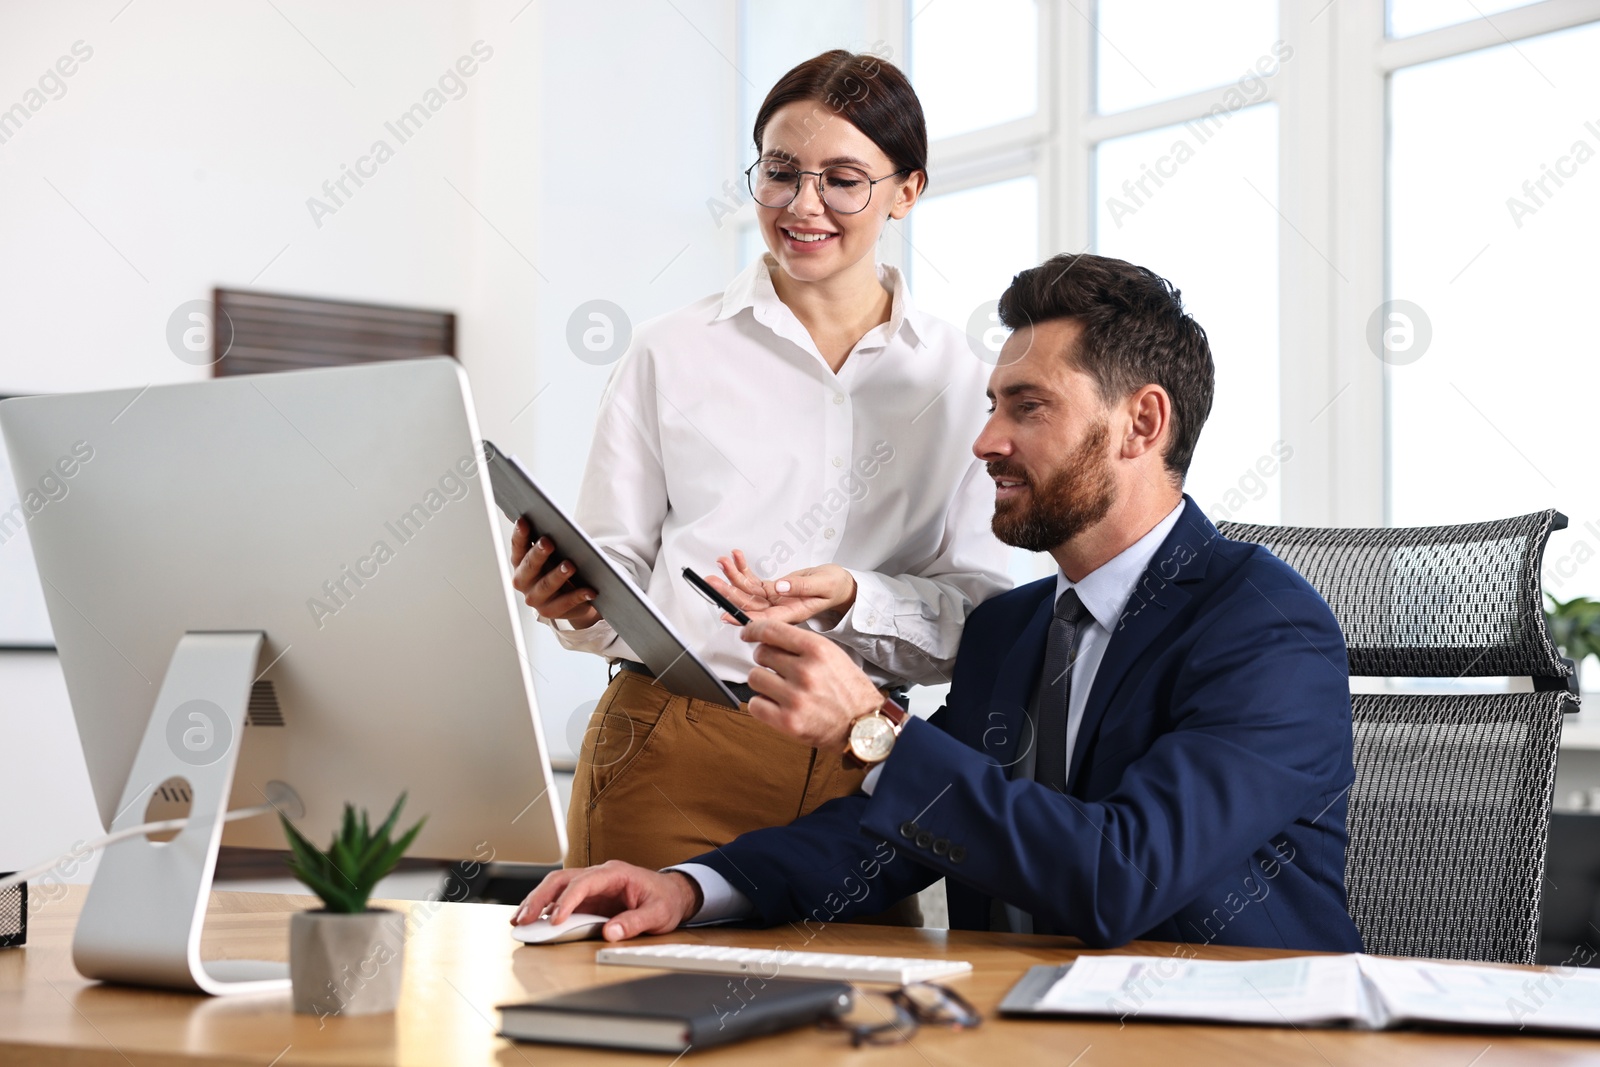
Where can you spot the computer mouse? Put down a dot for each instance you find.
(576, 927)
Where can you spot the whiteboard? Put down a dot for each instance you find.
(24, 622)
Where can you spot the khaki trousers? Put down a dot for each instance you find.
(662, 778)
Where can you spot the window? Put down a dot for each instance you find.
(976, 68)
(1440, 152)
(1409, 17)
(1494, 204)
(1194, 203)
(969, 243)
(1152, 50)
(975, 65)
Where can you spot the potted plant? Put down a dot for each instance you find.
(1575, 628)
(346, 958)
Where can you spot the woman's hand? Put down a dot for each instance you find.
(795, 597)
(546, 583)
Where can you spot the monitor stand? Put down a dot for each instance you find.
(141, 922)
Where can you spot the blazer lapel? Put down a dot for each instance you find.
(1156, 602)
(1006, 733)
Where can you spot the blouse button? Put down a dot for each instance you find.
(828, 533)
(838, 398)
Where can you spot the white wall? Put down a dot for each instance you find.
(182, 156)
(638, 136)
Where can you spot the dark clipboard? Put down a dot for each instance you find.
(622, 603)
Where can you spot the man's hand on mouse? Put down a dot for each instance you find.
(640, 901)
(806, 686)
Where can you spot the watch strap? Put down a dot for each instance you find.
(896, 715)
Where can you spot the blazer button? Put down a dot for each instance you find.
(957, 853)
(908, 829)
(924, 838)
(941, 846)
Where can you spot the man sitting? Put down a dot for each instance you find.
(1154, 743)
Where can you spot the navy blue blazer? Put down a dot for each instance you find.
(1205, 799)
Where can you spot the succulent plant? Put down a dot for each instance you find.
(344, 874)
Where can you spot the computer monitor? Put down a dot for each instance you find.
(297, 577)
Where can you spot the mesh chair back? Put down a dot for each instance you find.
(1449, 813)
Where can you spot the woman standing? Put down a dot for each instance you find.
(810, 415)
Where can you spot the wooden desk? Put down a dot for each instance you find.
(462, 962)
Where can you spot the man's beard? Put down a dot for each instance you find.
(1075, 497)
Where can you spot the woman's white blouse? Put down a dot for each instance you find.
(723, 427)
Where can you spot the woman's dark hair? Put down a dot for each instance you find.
(1135, 332)
(869, 93)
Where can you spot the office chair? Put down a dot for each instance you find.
(1450, 810)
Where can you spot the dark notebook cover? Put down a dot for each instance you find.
(672, 1012)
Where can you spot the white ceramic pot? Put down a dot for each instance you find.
(344, 964)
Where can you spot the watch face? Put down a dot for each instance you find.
(871, 739)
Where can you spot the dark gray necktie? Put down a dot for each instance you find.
(1055, 691)
(1055, 688)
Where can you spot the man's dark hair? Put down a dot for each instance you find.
(1135, 332)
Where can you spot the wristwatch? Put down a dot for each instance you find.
(873, 735)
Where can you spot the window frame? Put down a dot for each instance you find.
(1333, 189)
(1332, 101)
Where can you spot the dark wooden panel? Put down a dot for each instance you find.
(238, 864)
(273, 332)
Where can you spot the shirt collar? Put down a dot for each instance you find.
(1106, 590)
(752, 288)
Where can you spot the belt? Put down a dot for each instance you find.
(899, 694)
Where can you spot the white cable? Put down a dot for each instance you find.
(281, 799)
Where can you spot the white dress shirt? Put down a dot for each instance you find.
(723, 427)
(1105, 592)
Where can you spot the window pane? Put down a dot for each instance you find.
(1407, 17)
(1152, 50)
(1494, 202)
(1200, 213)
(967, 247)
(975, 65)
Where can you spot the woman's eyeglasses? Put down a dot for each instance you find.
(915, 1005)
(845, 189)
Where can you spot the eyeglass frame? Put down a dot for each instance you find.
(800, 180)
(909, 1016)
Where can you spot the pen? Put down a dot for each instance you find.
(715, 597)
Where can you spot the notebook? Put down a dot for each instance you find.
(1355, 990)
(675, 1012)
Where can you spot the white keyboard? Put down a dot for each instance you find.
(771, 962)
